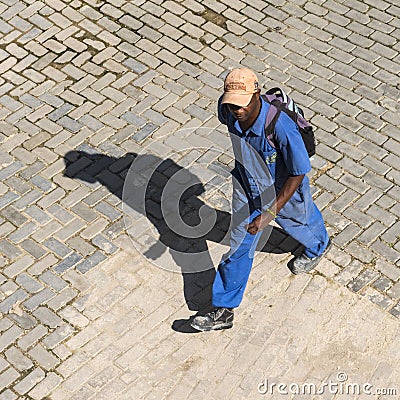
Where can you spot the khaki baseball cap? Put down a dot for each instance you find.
(240, 85)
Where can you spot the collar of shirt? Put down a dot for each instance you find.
(258, 126)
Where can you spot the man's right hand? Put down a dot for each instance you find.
(259, 223)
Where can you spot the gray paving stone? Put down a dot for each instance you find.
(394, 291)
(10, 336)
(8, 249)
(378, 298)
(101, 242)
(352, 167)
(71, 229)
(115, 229)
(25, 321)
(9, 395)
(57, 247)
(17, 359)
(56, 337)
(385, 202)
(385, 251)
(29, 283)
(345, 200)
(349, 273)
(5, 323)
(134, 65)
(18, 266)
(70, 124)
(5, 27)
(3, 364)
(43, 264)
(37, 214)
(330, 184)
(10, 103)
(323, 200)
(40, 298)
(7, 158)
(144, 132)
(68, 263)
(377, 181)
(14, 216)
(105, 209)
(395, 210)
(49, 383)
(91, 122)
(84, 212)
(62, 299)
(51, 99)
(359, 252)
(99, 194)
(355, 183)
(7, 304)
(6, 378)
(33, 248)
(74, 197)
(134, 119)
(111, 150)
(381, 215)
(363, 280)
(27, 199)
(32, 337)
(347, 234)
(41, 183)
(11, 170)
(382, 284)
(23, 232)
(53, 281)
(44, 358)
(395, 311)
(368, 198)
(8, 286)
(372, 233)
(8, 198)
(392, 234)
(32, 170)
(60, 213)
(29, 381)
(90, 262)
(47, 317)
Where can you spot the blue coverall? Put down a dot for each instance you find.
(299, 217)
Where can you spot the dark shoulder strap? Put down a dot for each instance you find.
(271, 119)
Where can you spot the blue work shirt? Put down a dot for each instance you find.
(289, 158)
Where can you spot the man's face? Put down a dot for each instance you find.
(246, 113)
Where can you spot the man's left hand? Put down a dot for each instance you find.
(259, 223)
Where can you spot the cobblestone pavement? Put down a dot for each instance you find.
(85, 86)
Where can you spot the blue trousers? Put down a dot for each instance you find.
(300, 218)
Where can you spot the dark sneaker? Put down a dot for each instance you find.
(303, 264)
(219, 318)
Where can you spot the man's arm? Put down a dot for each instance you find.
(288, 189)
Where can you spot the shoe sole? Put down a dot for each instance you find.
(213, 328)
(305, 271)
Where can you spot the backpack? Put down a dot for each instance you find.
(279, 102)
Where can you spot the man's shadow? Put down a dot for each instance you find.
(189, 252)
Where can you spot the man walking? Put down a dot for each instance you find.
(244, 112)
